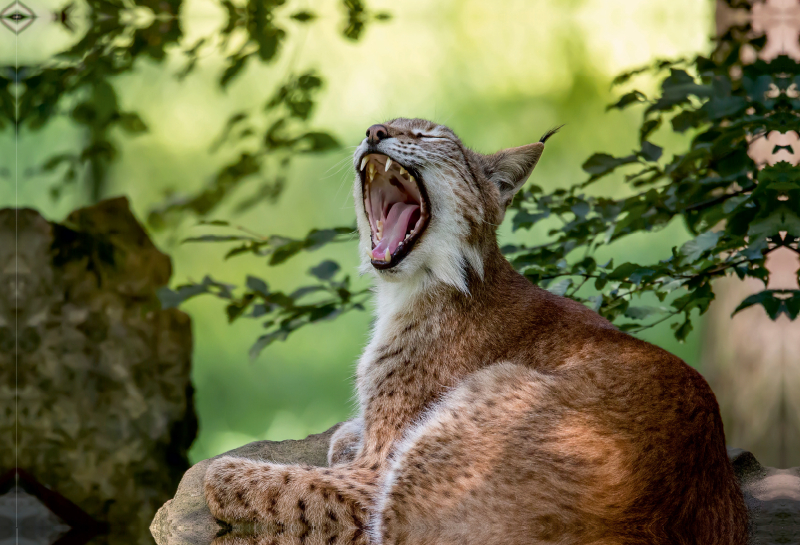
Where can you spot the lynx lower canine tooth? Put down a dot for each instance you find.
(363, 162)
(387, 257)
(388, 164)
(370, 172)
(369, 253)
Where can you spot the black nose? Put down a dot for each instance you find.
(376, 133)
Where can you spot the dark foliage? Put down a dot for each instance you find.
(738, 211)
(79, 83)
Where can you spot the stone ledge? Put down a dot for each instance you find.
(772, 495)
(185, 519)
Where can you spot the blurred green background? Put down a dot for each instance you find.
(499, 73)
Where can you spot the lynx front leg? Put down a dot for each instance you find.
(288, 496)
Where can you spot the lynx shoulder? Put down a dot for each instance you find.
(490, 409)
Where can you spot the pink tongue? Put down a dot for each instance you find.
(394, 228)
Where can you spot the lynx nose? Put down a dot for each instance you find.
(376, 133)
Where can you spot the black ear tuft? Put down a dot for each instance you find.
(550, 133)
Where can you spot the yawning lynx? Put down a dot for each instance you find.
(491, 411)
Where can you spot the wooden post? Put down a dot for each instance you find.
(751, 361)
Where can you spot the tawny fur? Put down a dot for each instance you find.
(491, 410)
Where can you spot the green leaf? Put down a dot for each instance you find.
(719, 107)
(266, 340)
(309, 81)
(651, 152)
(286, 251)
(603, 163)
(257, 285)
(686, 120)
(693, 249)
(303, 16)
(623, 271)
(173, 298)
(640, 313)
(775, 303)
(320, 237)
(781, 218)
(317, 142)
(648, 127)
(580, 209)
(132, 123)
(523, 219)
(233, 70)
(216, 238)
(596, 301)
(627, 99)
(682, 331)
(302, 292)
(560, 287)
(324, 312)
(325, 270)
(53, 162)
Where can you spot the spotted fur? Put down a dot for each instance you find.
(491, 410)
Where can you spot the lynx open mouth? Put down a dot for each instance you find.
(397, 208)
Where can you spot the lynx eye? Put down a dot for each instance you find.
(397, 208)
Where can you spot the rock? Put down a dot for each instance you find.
(101, 373)
(772, 495)
(185, 519)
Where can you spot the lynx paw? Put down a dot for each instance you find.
(231, 488)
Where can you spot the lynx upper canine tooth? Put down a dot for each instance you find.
(388, 164)
(363, 162)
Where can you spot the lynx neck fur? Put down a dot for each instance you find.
(491, 411)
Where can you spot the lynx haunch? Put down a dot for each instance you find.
(491, 411)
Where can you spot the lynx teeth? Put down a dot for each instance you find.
(370, 172)
(403, 171)
(388, 164)
(387, 256)
(363, 162)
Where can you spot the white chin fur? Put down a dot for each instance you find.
(440, 257)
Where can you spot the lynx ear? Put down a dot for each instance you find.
(509, 168)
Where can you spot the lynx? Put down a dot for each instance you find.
(491, 411)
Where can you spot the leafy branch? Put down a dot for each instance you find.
(281, 313)
(737, 211)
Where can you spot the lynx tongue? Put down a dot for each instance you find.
(395, 227)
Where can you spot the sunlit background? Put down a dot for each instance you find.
(499, 73)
